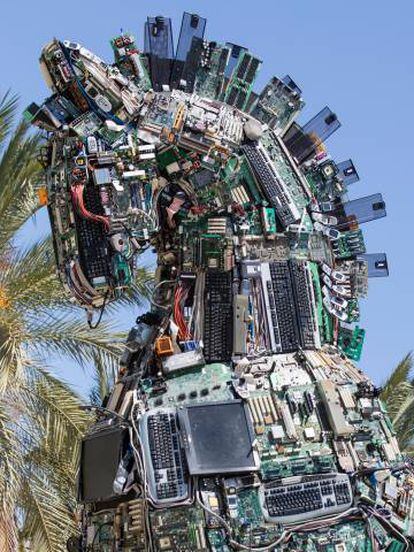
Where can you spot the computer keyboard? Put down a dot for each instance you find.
(284, 304)
(305, 305)
(165, 460)
(92, 247)
(218, 319)
(280, 306)
(290, 305)
(301, 498)
(273, 187)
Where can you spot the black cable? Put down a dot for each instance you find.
(93, 327)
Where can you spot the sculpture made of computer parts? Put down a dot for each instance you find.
(238, 419)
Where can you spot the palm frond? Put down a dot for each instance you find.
(8, 531)
(62, 424)
(17, 214)
(18, 164)
(19, 169)
(396, 401)
(12, 357)
(49, 521)
(102, 382)
(8, 107)
(400, 374)
(10, 467)
(65, 333)
(403, 423)
(398, 396)
(55, 406)
(41, 425)
(10, 459)
(29, 277)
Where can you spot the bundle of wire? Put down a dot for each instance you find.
(77, 198)
(180, 297)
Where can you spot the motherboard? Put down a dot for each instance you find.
(238, 419)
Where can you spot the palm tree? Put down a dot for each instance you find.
(40, 420)
(398, 395)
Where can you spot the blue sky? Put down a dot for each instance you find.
(355, 56)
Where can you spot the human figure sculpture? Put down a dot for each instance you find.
(238, 420)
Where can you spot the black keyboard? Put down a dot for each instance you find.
(91, 238)
(272, 187)
(218, 317)
(307, 322)
(291, 305)
(165, 460)
(282, 306)
(301, 498)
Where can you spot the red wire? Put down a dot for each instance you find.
(179, 319)
(177, 313)
(77, 197)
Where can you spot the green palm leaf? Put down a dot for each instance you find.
(48, 332)
(8, 108)
(19, 171)
(102, 382)
(16, 215)
(41, 419)
(398, 395)
(29, 277)
(49, 521)
(400, 374)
